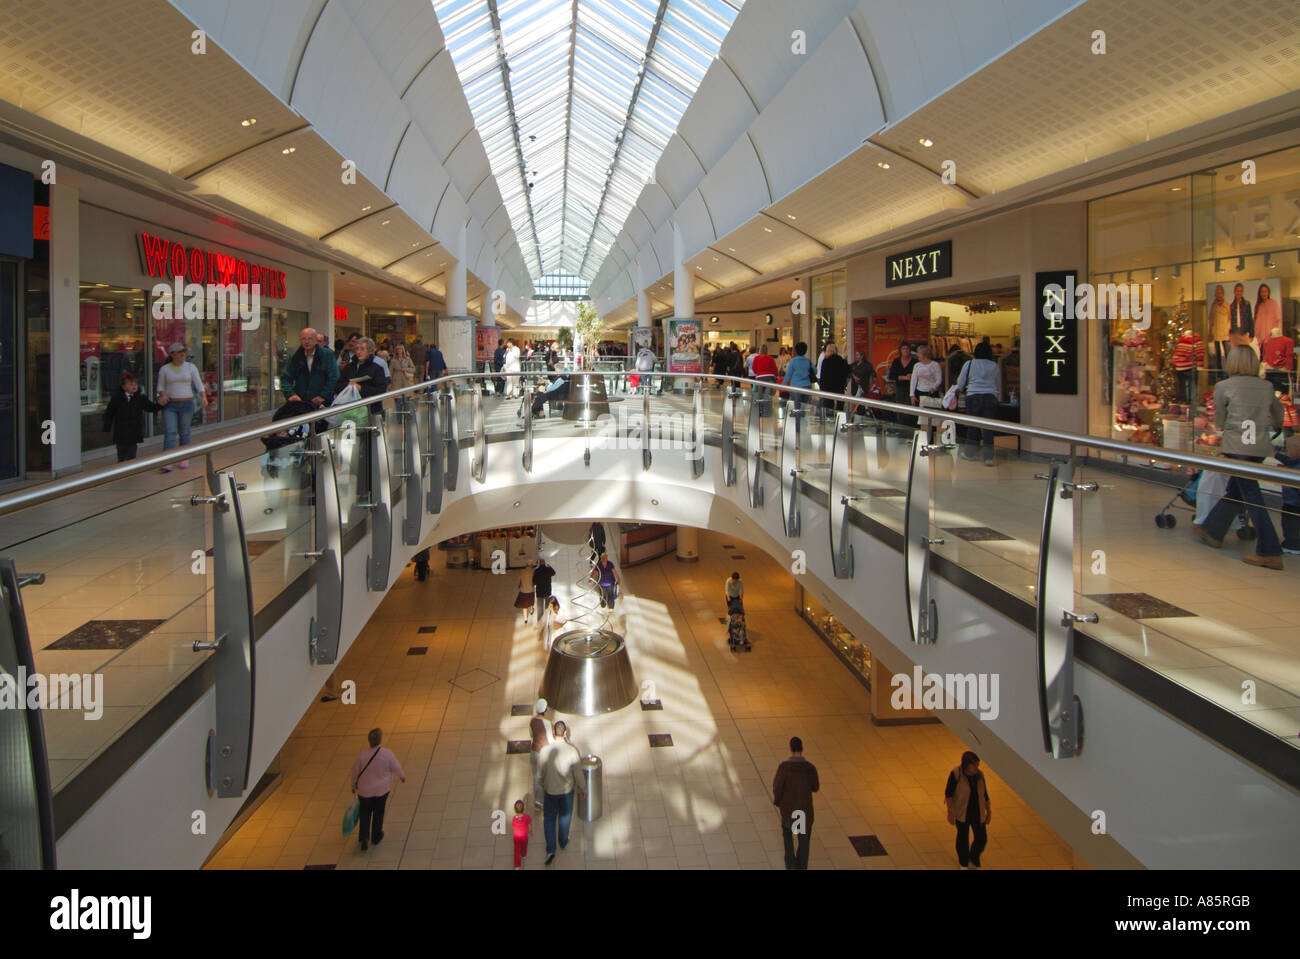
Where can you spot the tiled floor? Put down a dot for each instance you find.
(704, 802)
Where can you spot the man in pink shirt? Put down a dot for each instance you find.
(372, 779)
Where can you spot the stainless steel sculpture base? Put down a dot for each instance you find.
(588, 673)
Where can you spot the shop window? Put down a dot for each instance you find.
(1176, 244)
(847, 646)
(112, 338)
(246, 367)
(36, 373)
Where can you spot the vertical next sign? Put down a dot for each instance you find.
(1056, 335)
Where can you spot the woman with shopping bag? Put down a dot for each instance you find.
(363, 374)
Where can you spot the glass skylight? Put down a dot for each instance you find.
(575, 101)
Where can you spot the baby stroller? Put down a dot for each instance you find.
(737, 631)
(1185, 498)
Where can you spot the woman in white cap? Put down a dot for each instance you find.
(180, 382)
(541, 732)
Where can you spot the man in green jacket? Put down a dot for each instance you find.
(311, 372)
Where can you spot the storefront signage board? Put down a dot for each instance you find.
(927, 263)
(1056, 335)
(169, 259)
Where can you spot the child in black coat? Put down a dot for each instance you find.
(124, 417)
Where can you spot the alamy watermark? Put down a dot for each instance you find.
(72, 691)
(977, 692)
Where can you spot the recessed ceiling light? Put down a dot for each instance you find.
(366, 207)
(287, 150)
(926, 142)
(767, 229)
(791, 216)
(248, 123)
(732, 249)
(1175, 189)
(882, 164)
(385, 222)
(415, 243)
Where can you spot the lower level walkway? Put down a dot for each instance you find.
(704, 802)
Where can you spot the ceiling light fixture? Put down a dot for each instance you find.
(287, 150)
(1241, 263)
(882, 164)
(1268, 262)
(366, 207)
(713, 319)
(791, 216)
(926, 142)
(1218, 266)
(248, 123)
(385, 222)
(1175, 189)
(1155, 273)
(767, 229)
(1178, 269)
(732, 249)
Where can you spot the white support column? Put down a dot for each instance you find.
(457, 295)
(642, 298)
(683, 282)
(65, 328)
(489, 317)
(321, 318)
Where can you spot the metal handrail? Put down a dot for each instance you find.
(45, 492)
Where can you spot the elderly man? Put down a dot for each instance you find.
(310, 374)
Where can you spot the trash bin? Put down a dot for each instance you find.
(591, 801)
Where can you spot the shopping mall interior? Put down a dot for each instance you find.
(902, 396)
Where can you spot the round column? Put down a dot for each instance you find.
(688, 544)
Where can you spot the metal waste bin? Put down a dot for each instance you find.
(591, 789)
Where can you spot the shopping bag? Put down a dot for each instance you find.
(350, 394)
(351, 815)
(950, 398)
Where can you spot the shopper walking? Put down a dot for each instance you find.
(514, 384)
(310, 373)
(833, 376)
(435, 366)
(981, 380)
(540, 730)
(372, 780)
(967, 799)
(557, 771)
(548, 622)
(403, 368)
(364, 371)
(180, 382)
(522, 827)
(733, 590)
(798, 372)
(524, 598)
(543, 573)
(124, 416)
(927, 379)
(1247, 412)
(605, 576)
(792, 789)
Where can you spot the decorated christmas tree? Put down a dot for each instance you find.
(1167, 379)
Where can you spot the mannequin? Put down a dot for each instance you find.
(1219, 326)
(1278, 352)
(1189, 356)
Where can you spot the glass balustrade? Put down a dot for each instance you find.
(129, 590)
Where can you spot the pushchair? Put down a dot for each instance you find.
(1185, 499)
(737, 631)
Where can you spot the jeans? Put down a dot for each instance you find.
(608, 594)
(985, 405)
(372, 817)
(553, 808)
(538, 794)
(1244, 491)
(966, 853)
(799, 859)
(176, 419)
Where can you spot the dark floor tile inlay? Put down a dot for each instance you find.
(474, 680)
(516, 746)
(519, 709)
(651, 704)
(728, 545)
(107, 634)
(1139, 605)
(867, 846)
(428, 629)
(661, 739)
(976, 534)
(326, 865)
(738, 557)
(418, 651)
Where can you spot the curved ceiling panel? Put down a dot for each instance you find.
(796, 143)
(452, 213)
(444, 119)
(695, 223)
(736, 187)
(485, 201)
(655, 205)
(638, 226)
(720, 112)
(648, 264)
(760, 47)
(678, 171)
(401, 34)
(417, 180)
(266, 38)
(468, 166)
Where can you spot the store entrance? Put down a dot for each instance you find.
(950, 328)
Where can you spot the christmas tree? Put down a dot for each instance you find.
(1167, 379)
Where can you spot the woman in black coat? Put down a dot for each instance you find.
(364, 371)
(124, 417)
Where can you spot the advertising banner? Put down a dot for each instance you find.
(685, 340)
(485, 343)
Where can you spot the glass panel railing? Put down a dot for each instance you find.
(1184, 603)
(277, 507)
(351, 449)
(126, 595)
(878, 468)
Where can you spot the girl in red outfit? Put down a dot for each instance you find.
(523, 825)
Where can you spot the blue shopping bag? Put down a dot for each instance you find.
(351, 816)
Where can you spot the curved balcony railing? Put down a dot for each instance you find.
(1078, 528)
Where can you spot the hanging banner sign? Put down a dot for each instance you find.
(1056, 334)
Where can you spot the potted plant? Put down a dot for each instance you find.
(587, 329)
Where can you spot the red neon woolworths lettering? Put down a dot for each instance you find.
(169, 259)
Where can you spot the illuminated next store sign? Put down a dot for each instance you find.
(1056, 334)
(919, 266)
(167, 258)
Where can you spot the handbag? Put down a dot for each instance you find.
(931, 402)
(353, 812)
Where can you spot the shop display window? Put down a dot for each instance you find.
(112, 340)
(844, 643)
(1207, 262)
